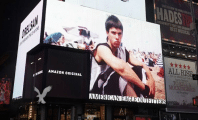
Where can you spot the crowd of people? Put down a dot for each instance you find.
(150, 58)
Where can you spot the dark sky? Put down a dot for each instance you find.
(7, 24)
(12, 13)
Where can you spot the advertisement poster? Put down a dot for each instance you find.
(174, 17)
(29, 37)
(84, 28)
(180, 86)
(5, 89)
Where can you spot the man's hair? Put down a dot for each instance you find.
(113, 21)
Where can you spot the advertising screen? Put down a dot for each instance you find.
(79, 27)
(29, 37)
(180, 86)
(62, 72)
(68, 74)
(174, 17)
(5, 89)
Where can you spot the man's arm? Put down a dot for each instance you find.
(150, 81)
(119, 65)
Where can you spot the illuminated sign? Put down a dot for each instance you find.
(180, 86)
(65, 74)
(29, 38)
(175, 20)
(86, 29)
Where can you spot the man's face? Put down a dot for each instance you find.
(114, 37)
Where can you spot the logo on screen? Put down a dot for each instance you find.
(30, 26)
(64, 72)
(41, 96)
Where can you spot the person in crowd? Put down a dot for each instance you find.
(58, 39)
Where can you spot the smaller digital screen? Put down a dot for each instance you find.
(5, 89)
(67, 74)
(58, 73)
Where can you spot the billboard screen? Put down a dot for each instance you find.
(29, 37)
(174, 17)
(180, 86)
(84, 28)
(68, 73)
(65, 71)
(5, 89)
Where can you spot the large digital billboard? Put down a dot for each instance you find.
(79, 27)
(29, 37)
(180, 86)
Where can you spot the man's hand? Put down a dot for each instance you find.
(150, 81)
(151, 85)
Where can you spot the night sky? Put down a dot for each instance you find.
(12, 14)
